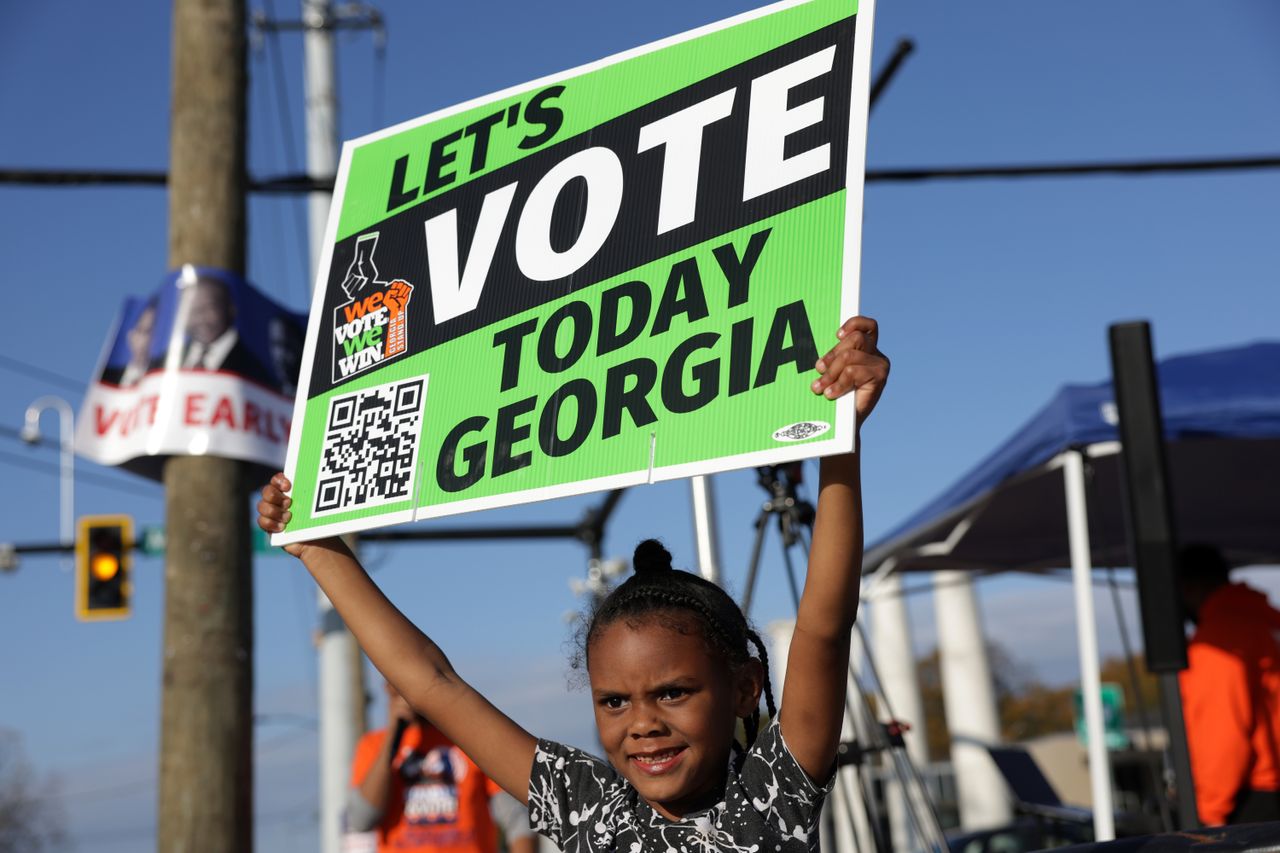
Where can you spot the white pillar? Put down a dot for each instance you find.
(849, 826)
(704, 527)
(1087, 640)
(895, 662)
(970, 699)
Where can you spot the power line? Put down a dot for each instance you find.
(1047, 170)
(16, 365)
(901, 51)
(286, 132)
(279, 237)
(81, 177)
(94, 177)
(103, 792)
(87, 476)
(10, 432)
(120, 789)
(280, 740)
(300, 183)
(378, 101)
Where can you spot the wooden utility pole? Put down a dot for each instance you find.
(206, 784)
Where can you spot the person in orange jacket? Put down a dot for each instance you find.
(1230, 692)
(418, 793)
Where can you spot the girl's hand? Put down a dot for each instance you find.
(854, 364)
(273, 510)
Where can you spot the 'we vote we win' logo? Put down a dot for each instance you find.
(370, 327)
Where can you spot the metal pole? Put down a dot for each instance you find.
(67, 452)
(704, 528)
(1153, 538)
(1176, 726)
(321, 118)
(1087, 638)
(340, 665)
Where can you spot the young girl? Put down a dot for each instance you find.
(671, 673)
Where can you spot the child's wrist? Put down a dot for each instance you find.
(841, 466)
(319, 548)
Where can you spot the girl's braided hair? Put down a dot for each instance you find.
(657, 588)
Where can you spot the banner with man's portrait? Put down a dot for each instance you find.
(206, 364)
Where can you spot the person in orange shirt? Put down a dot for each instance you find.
(418, 793)
(1230, 692)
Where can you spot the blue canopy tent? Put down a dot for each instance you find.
(1051, 496)
(1222, 422)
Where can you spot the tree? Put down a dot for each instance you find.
(1027, 707)
(936, 736)
(30, 819)
(1037, 709)
(1147, 698)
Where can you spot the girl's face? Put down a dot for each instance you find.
(666, 710)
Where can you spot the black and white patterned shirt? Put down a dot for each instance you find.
(585, 806)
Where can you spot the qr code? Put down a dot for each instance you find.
(801, 431)
(370, 450)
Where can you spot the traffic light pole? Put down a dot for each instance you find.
(206, 738)
(340, 664)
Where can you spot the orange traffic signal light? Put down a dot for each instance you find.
(104, 589)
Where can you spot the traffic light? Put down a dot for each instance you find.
(104, 589)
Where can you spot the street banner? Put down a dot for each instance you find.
(615, 275)
(206, 364)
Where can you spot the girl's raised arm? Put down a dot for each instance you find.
(407, 657)
(818, 662)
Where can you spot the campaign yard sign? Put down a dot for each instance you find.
(612, 276)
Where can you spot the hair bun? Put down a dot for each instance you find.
(650, 558)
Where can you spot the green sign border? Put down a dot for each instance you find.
(667, 65)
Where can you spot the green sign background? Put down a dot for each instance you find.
(593, 98)
(801, 271)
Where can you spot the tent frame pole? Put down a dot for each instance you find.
(1087, 639)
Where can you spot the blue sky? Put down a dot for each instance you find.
(990, 293)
